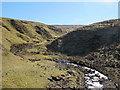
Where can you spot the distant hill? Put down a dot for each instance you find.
(68, 28)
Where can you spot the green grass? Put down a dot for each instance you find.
(18, 73)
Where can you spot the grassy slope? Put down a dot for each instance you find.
(21, 43)
(19, 74)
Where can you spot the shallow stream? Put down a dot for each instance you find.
(93, 79)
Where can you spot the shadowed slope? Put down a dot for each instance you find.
(87, 39)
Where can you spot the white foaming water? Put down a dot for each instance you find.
(92, 79)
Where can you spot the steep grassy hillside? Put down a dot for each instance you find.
(25, 62)
(96, 45)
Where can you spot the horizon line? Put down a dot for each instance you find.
(58, 24)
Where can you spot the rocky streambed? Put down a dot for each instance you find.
(93, 79)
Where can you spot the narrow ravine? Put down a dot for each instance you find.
(93, 79)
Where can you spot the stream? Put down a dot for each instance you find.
(93, 80)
